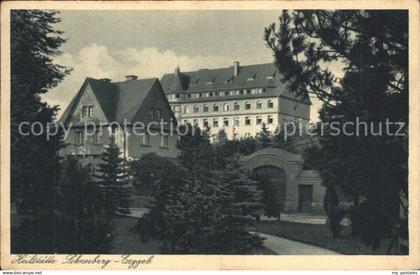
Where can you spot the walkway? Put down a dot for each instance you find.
(284, 246)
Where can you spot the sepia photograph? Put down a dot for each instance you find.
(142, 132)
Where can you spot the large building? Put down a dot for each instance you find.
(113, 108)
(237, 99)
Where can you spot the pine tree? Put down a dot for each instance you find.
(113, 179)
(264, 136)
(86, 227)
(238, 205)
(372, 47)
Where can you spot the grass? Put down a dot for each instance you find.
(319, 235)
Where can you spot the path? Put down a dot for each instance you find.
(284, 246)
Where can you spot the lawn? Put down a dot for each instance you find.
(319, 235)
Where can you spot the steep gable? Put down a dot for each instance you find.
(87, 98)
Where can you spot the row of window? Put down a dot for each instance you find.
(87, 111)
(255, 91)
(226, 107)
(96, 139)
(236, 121)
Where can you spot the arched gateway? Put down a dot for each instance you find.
(275, 175)
(300, 190)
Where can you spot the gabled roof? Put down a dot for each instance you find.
(118, 100)
(248, 77)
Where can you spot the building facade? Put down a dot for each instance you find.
(299, 190)
(238, 99)
(102, 110)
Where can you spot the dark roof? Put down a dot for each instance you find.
(118, 100)
(216, 79)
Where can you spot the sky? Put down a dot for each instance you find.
(112, 44)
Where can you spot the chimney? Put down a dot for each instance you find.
(130, 77)
(235, 68)
(108, 80)
(177, 70)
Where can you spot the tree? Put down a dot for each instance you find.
(264, 136)
(34, 158)
(112, 177)
(86, 226)
(270, 197)
(239, 203)
(196, 152)
(372, 49)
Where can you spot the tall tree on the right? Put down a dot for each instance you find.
(369, 49)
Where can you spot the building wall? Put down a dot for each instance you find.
(277, 112)
(295, 175)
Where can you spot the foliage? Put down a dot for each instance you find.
(196, 152)
(34, 160)
(113, 179)
(372, 49)
(204, 213)
(86, 226)
(270, 197)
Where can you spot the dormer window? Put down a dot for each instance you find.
(269, 77)
(151, 113)
(157, 113)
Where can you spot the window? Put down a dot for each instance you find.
(146, 139)
(259, 105)
(205, 123)
(164, 141)
(84, 111)
(237, 92)
(226, 93)
(215, 122)
(215, 108)
(270, 104)
(90, 111)
(151, 112)
(225, 107)
(78, 137)
(270, 119)
(247, 106)
(259, 120)
(210, 94)
(248, 92)
(236, 121)
(226, 122)
(296, 107)
(196, 109)
(157, 113)
(176, 95)
(236, 106)
(205, 108)
(195, 122)
(232, 92)
(96, 138)
(264, 90)
(185, 109)
(241, 92)
(188, 95)
(254, 91)
(247, 120)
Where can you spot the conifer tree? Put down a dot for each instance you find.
(264, 136)
(113, 179)
(239, 204)
(34, 159)
(86, 225)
